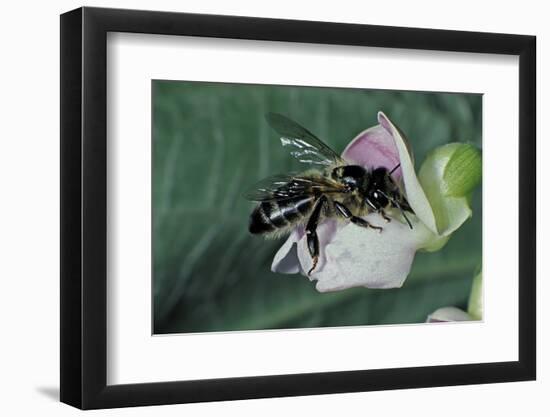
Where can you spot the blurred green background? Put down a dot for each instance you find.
(211, 142)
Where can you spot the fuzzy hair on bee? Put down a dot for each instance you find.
(336, 189)
(290, 204)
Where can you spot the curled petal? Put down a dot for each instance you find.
(447, 314)
(415, 194)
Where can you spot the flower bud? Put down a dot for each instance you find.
(448, 176)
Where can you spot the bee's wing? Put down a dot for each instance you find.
(281, 187)
(306, 147)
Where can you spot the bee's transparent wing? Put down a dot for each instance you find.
(305, 146)
(280, 187)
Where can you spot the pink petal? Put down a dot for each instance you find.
(373, 148)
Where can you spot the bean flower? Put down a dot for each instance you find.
(352, 256)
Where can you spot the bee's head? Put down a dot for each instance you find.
(351, 175)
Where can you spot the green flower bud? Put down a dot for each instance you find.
(448, 176)
(463, 171)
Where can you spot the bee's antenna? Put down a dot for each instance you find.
(398, 206)
(394, 168)
(403, 213)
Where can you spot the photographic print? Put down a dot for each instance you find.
(246, 211)
(290, 207)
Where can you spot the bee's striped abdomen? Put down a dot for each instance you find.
(270, 216)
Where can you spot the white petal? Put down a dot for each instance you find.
(446, 314)
(326, 232)
(358, 256)
(415, 194)
(286, 258)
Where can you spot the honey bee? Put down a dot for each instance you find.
(338, 189)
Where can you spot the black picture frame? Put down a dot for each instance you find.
(84, 207)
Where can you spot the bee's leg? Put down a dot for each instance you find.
(344, 211)
(311, 232)
(384, 216)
